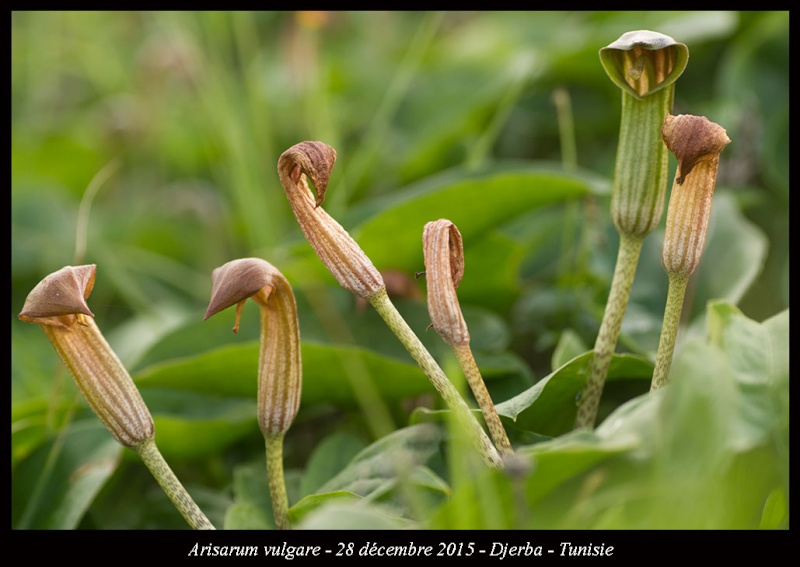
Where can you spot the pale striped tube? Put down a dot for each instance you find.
(697, 143)
(443, 253)
(279, 362)
(58, 305)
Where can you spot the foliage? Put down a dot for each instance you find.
(433, 115)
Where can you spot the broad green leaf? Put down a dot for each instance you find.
(392, 472)
(559, 460)
(252, 504)
(745, 342)
(192, 338)
(491, 277)
(699, 413)
(363, 515)
(183, 438)
(312, 502)
(191, 424)
(386, 459)
(776, 511)
(474, 201)
(734, 255)
(759, 361)
(330, 456)
(549, 407)
(696, 454)
(232, 371)
(411, 493)
(54, 486)
(569, 346)
(777, 328)
(533, 474)
(246, 516)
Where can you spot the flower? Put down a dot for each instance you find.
(444, 267)
(58, 305)
(642, 62)
(279, 362)
(335, 247)
(696, 143)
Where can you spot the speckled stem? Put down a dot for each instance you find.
(627, 259)
(383, 305)
(277, 485)
(669, 330)
(173, 488)
(484, 399)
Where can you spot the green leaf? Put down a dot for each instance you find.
(252, 505)
(392, 238)
(534, 473)
(309, 504)
(569, 346)
(734, 255)
(32, 420)
(491, 278)
(54, 486)
(776, 511)
(361, 516)
(386, 459)
(758, 361)
(233, 371)
(330, 456)
(561, 459)
(549, 406)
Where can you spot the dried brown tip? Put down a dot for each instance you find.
(333, 245)
(444, 267)
(233, 283)
(60, 295)
(692, 139)
(315, 160)
(237, 280)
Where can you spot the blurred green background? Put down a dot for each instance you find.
(147, 143)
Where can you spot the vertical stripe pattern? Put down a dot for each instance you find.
(103, 381)
(640, 179)
(279, 361)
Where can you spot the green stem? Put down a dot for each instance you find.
(173, 488)
(566, 128)
(478, 386)
(669, 329)
(628, 257)
(277, 485)
(384, 306)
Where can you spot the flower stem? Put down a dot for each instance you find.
(482, 396)
(669, 329)
(627, 258)
(173, 488)
(384, 306)
(277, 485)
